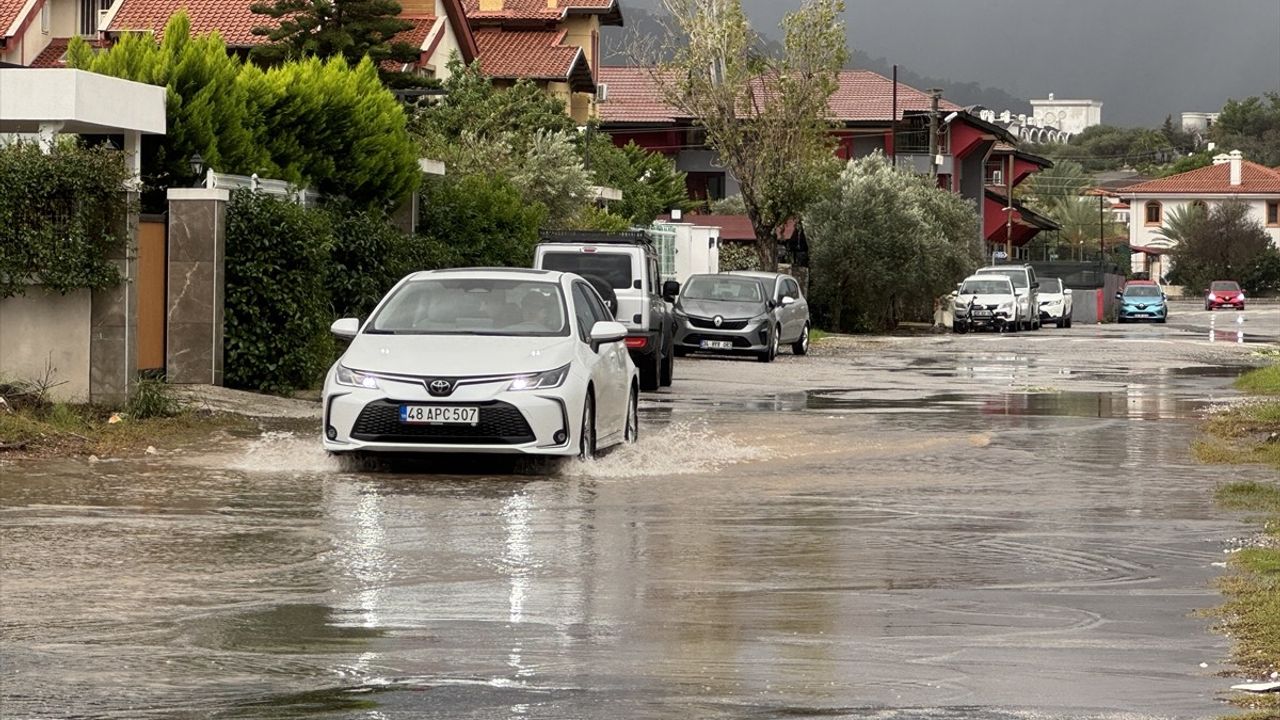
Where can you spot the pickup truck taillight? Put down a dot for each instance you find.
(637, 343)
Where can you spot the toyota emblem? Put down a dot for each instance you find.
(718, 321)
(440, 388)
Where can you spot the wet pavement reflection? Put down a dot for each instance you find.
(834, 553)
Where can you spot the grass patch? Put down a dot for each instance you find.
(816, 335)
(64, 429)
(1251, 614)
(1263, 381)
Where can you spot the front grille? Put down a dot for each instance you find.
(499, 424)
(708, 324)
(696, 339)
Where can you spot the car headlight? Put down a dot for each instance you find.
(541, 381)
(354, 378)
(1006, 306)
(1212, 296)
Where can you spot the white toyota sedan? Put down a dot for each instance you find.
(483, 361)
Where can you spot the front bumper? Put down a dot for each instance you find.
(996, 318)
(744, 335)
(1053, 310)
(1148, 313)
(539, 422)
(1237, 304)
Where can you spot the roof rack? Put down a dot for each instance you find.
(596, 237)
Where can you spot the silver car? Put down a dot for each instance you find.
(742, 313)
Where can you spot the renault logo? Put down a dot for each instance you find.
(440, 388)
(718, 321)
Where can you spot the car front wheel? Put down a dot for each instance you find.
(631, 435)
(587, 438)
(772, 352)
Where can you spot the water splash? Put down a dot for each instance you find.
(681, 448)
(284, 452)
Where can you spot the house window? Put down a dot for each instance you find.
(44, 19)
(1273, 213)
(1155, 214)
(89, 15)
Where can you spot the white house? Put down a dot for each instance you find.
(1071, 116)
(1231, 177)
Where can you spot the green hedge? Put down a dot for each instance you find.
(277, 299)
(61, 215)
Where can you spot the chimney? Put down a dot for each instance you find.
(552, 4)
(1236, 160)
(1221, 159)
(491, 6)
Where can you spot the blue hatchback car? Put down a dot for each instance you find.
(1142, 301)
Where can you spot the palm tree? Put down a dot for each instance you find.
(1179, 222)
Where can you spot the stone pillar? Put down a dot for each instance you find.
(197, 283)
(113, 324)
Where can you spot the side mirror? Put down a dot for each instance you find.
(670, 289)
(1119, 296)
(345, 328)
(1067, 291)
(788, 300)
(605, 332)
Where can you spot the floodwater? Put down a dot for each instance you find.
(1013, 553)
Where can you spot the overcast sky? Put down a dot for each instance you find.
(1143, 58)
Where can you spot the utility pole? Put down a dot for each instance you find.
(893, 128)
(935, 95)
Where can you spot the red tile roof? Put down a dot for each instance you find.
(9, 10)
(234, 21)
(1215, 180)
(231, 19)
(54, 54)
(862, 96)
(536, 54)
(526, 10)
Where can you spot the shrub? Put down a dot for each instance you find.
(277, 302)
(736, 256)
(61, 216)
(369, 256)
(482, 221)
(152, 398)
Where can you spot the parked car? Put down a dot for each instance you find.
(1026, 285)
(623, 268)
(483, 361)
(986, 301)
(1055, 302)
(1142, 300)
(790, 309)
(1224, 293)
(729, 314)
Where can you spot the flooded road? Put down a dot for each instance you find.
(977, 527)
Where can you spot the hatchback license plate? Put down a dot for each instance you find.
(439, 415)
(717, 345)
(982, 313)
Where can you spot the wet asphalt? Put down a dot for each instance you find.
(983, 526)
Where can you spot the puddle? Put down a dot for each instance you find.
(1132, 403)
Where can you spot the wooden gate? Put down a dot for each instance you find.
(153, 257)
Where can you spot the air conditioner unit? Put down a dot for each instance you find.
(602, 92)
(997, 177)
(103, 16)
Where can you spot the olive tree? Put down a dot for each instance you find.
(766, 117)
(885, 243)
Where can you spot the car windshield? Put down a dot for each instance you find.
(1050, 285)
(729, 289)
(1142, 291)
(473, 306)
(985, 287)
(1225, 286)
(613, 268)
(1017, 275)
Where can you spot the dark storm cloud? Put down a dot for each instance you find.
(1143, 58)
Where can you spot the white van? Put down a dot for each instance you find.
(1027, 287)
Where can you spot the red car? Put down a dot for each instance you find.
(1224, 294)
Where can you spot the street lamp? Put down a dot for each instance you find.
(197, 168)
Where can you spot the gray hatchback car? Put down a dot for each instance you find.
(754, 313)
